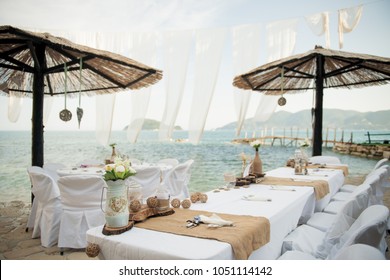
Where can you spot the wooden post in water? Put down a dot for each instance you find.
(326, 138)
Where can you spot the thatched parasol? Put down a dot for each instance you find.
(317, 69)
(33, 64)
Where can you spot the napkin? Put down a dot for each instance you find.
(214, 221)
(252, 197)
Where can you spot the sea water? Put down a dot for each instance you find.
(213, 156)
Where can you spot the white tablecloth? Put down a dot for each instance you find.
(334, 177)
(284, 211)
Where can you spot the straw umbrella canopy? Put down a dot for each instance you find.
(316, 69)
(37, 64)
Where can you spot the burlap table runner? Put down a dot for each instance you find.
(343, 168)
(248, 233)
(321, 187)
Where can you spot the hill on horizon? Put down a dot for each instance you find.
(334, 118)
(150, 124)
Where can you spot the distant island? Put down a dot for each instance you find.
(150, 124)
(333, 118)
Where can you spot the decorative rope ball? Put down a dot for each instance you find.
(203, 198)
(194, 197)
(186, 203)
(92, 250)
(175, 203)
(135, 205)
(152, 202)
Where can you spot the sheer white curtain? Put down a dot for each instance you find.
(176, 46)
(15, 99)
(144, 49)
(348, 20)
(105, 103)
(281, 39)
(246, 50)
(319, 24)
(15, 102)
(209, 49)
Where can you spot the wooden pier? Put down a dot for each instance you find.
(294, 138)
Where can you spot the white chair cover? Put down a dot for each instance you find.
(48, 208)
(324, 160)
(353, 252)
(363, 194)
(52, 167)
(380, 163)
(149, 179)
(369, 228)
(81, 199)
(169, 161)
(359, 252)
(33, 212)
(339, 222)
(178, 178)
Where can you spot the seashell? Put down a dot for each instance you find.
(92, 250)
(203, 198)
(135, 205)
(175, 203)
(186, 203)
(152, 202)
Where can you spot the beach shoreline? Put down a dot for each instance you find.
(17, 244)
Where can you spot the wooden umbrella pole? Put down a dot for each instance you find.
(37, 110)
(317, 126)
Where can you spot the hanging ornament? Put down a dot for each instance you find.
(65, 114)
(282, 101)
(80, 111)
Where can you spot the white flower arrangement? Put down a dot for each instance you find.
(119, 170)
(256, 144)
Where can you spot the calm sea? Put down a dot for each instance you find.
(215, 155)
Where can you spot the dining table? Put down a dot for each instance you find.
(98, 170)
(281, 205)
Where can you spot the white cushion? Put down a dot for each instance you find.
(340, 196)
(296, 255)
(360, 252)
(347, 188)
(304, 238)
(321, 220)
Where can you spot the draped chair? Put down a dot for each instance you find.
(52, 167)
(324, 160)
(169, 161)
(369, 228)
(379, 164)
(353, 252)
(46, 215)
(81, 197)
(178, 178)
(149, 178)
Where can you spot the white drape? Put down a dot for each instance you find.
(319, 24)
(176, 45)
(144, 50)
(105, 103)
(209, 49)
(15, 99)
(348, 20)
(281, 39)
(246, 50)
(15, 102)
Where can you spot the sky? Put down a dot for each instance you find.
(371, 36)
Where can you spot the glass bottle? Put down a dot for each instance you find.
(163, 196)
